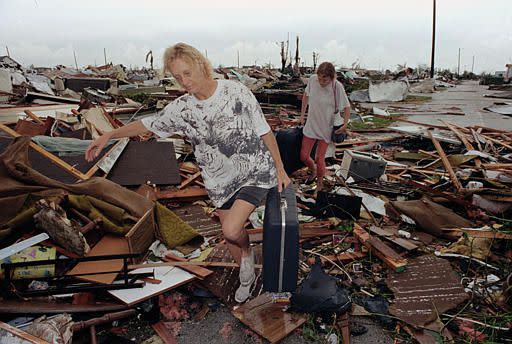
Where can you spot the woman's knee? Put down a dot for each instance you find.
(232, 233)
(320, 165)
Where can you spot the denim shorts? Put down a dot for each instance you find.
(252, 194)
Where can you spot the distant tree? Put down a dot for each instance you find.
(284, 54)
(150, 56)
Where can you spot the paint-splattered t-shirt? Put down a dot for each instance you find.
(225, 132)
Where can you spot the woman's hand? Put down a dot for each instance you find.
(341, 130)
(96, 147)
(282, 180)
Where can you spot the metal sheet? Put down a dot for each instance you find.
(427, 288)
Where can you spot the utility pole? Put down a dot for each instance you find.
(76, 64)
(297, 52)
(433, 41)
(315, 60)
(7, 48)
(105, 55)
(473, 64)
(238, 58)
(458, 65)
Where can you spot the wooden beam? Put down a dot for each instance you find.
(189, 180)
(497, 166)
(496, 141)
(214, 264)
(21, 335)
(54, 159)
(479, 233)
(187, 193)
(391, 258)
(34, 117)
(199, 271)
(464, 140)
(446, 162)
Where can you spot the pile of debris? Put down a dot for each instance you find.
(413, 227)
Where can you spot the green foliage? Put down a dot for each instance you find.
(371, 123)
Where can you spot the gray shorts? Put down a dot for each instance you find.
(252, 194)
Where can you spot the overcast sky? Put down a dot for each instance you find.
(374, 33)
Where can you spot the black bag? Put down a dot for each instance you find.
(280, 241)
(337, 138)
(320, 293)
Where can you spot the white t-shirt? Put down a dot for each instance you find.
(321, 117)
(225, 132)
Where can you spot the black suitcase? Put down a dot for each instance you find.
(280, 241)
(289, 142)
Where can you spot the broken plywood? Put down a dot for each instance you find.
(268, 319)
(427, 288)
(109, 244)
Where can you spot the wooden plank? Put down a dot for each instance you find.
(391, 236)
(268, 319)
(54, 159)
(391, 258)
(34, 117)
(142, 234)
(464, 140)
(496, 141)
(22, 335)
(478, 233)
(187, 263)
(446, 163)
(189, 180)
(497, 166)
(187, 193)
(109, 244)
(344, 257)
(199, 271)
(404, 243)
(52, 307)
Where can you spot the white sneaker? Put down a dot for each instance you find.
(247, 277)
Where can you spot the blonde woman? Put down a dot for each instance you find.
(324, 97)
(233, 146)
